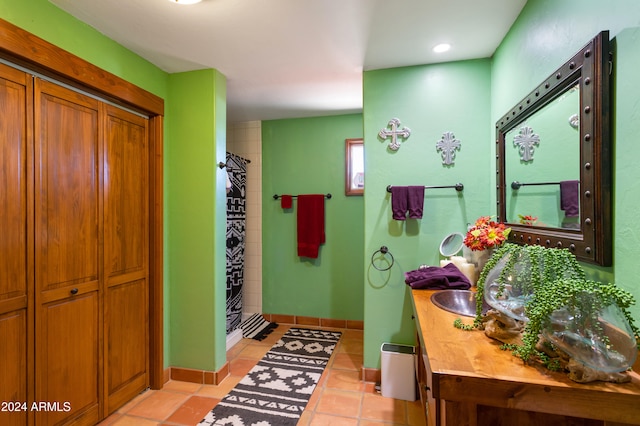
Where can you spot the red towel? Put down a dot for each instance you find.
(310, 224)
(286, 201)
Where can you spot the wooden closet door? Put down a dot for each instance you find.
(16, 227)
(126, 257)
(67, 255)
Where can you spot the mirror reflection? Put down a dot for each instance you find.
(542, 165)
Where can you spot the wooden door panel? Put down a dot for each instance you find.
(13, 190)
(16, 248)
(126, 193)
(68, 250)
(126, 257)
(127, 342)
(68, 359)
(67, 187)
(13, 367)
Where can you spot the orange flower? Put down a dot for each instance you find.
(486, 234)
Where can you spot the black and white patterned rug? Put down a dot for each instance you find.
(276, 390)
(256, 327)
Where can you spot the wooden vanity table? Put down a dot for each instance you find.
(466, 379)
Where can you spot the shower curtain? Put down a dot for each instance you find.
(237, 172)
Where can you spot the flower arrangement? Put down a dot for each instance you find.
(528, 219)
(486, 234)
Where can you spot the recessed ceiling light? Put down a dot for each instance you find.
(442, 47)
(185, 1)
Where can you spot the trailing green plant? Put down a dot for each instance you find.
(555, 280)
(457, 323)
(584, 299)
(543, 265)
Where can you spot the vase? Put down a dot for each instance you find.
(478, 258)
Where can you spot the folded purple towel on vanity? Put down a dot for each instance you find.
(437, 278)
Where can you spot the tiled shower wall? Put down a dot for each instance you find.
(245, 139)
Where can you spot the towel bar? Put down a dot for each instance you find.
(276, 196)
(516, 185)
(458, 187)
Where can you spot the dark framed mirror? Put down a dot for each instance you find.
(553, 159)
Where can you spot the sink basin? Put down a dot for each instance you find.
(461, 302)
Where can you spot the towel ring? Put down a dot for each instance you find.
(384, 250)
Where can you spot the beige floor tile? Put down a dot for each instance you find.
(159, 405)
(193, 410)
(241, 366)
(253, 351)
(376, 407)
(134, 421)
(347, 361)
(320, 419)
(185, 387)
(135, 401)
(345, 380)
(339, 402)
(219, 391)
(350, 346)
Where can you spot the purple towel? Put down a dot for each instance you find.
(569, 198)
(436, 278)
(399, 201)
(415, 195)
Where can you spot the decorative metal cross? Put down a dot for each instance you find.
(448, 145)
(394, 133)
(525, 142)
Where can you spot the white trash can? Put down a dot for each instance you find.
(398, 374)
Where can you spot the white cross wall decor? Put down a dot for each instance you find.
(395, 131)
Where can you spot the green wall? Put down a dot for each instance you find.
(430, 100)
(307, 156)
(197, 215)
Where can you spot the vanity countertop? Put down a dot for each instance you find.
(469, 367)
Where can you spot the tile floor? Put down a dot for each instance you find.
(340, 398)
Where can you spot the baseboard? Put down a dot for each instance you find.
(314, 321)
(233, 338)
(372, 375)
(203, 377)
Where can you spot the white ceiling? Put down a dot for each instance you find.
(298, 58)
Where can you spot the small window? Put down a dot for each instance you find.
(354, 167)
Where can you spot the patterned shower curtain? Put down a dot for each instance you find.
(237, 170)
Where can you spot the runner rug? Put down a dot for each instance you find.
(276, 390)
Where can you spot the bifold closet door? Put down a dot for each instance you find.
(126, 257)
(68, 252)
(16, 228)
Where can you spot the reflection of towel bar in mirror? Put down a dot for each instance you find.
(276, 196)
(516, 185)
(458, 187)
